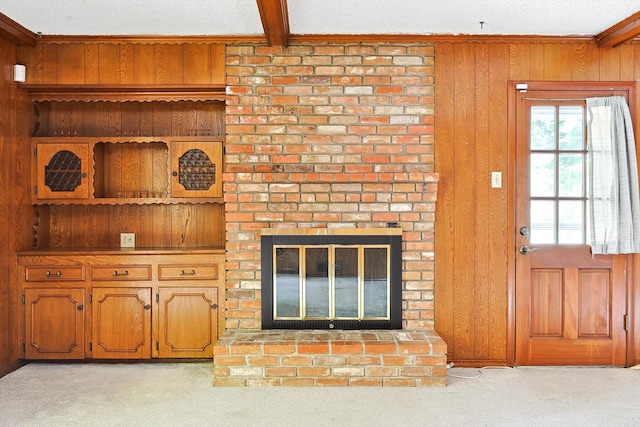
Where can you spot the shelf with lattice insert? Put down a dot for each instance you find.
(133, 170)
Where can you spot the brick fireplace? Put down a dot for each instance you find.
(330, 136)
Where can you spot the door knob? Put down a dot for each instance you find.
(524, 249)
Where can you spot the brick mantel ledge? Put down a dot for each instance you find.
(407, 358)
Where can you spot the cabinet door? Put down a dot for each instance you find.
(196, 169)
(61, 171)
(188, 322)
(121, 323)
(54, 323)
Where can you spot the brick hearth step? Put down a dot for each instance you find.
(330, 358)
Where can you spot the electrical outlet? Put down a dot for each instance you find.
(127, 240)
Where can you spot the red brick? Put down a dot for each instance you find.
(332, 382)
(261, 382)
(365, 382)
(279, 348)
(346, 347)
(313, 348)
(314, 372)
(262, 360)
(297, 382)
(296, 360)
(229, 360)
(381, 371)
(280, 371)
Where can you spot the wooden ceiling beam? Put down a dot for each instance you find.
(16, 33)
(621, 32)
(275, 21)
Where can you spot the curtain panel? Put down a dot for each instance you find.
(613, 177)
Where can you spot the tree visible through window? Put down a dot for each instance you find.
(558, 172)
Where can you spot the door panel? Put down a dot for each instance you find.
(54, 323)
(188, 322)
(121, 323)
(570, 305)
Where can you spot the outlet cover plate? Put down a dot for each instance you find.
(127, 240)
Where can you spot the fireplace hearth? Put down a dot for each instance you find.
(331, 278)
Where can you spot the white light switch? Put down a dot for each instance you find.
(496, 179)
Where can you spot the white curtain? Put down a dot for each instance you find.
(613, 177)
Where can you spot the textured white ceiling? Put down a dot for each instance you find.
(241, 17)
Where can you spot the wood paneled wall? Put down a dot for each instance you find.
(15, 209)
(124, 63)
(472, 219)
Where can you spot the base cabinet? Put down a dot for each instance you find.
(121, 326)
(131, 305)
(54, 323)
(188, 322)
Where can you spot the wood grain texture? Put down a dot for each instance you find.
(445, 209)
(16, 116)
(472, 254)
(123, 62)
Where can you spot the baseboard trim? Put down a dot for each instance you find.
(11, 367)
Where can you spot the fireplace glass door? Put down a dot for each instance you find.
(331, 282)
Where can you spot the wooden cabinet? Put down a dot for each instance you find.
(61, 171)
(121, 327)
(125, 159)
(188, 320)
(196, 169)
(54, 323)
(127, 170)
(136, 304)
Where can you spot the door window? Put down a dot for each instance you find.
(558, 171)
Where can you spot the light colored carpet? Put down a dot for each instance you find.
(181, 394)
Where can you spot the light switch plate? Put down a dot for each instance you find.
(127, 240)
(496, 179)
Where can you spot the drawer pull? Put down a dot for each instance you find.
(191, 273)
(57, 274)
(116, 274)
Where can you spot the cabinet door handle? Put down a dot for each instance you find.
(214, 306)
(116, 274)
(147, 307)
(191, 273)
(57, 274)
(80, 307)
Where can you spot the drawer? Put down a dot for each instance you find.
(66, 273)
(188, 272)
(121, 272)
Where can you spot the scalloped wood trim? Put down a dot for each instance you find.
(124, 93)
(130, 201)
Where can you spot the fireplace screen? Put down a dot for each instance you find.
(331, 281)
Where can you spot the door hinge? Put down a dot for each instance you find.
(90, 346)
(90, 298)
(35, 152)
(157, 345)
(24, 348)
(24, 299)
(35, 189)
(157, 297)
(625, 319)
